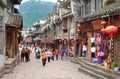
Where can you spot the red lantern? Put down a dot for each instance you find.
(103, 22)
(109, 30)
(78, 30)
(112, 29)
(115, 29)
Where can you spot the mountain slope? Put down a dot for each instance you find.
(32, 11)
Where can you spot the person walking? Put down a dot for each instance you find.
(22, 54)
(48, 55)
(36, 52)
(52, 54)
(44, 57)
(56, 53)
(84, 51)
(26, 55)
(62, 54)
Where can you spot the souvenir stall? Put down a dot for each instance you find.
(102, 46)
(101, 42)
(108, 46)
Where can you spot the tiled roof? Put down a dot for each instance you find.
(113, 9)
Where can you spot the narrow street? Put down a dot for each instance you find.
(53, 70)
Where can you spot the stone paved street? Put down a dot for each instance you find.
(53, 70)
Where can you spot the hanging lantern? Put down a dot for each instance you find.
(78, 30)
(109, 30)
(115, 29)
(103, 22)
(112, 29)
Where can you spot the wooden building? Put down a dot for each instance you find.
(107, 11)
(13, 26)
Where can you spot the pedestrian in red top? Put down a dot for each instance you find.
(27, 54)
(56, 53)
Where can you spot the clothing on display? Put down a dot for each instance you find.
(92, 40)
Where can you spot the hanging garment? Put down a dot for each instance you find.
(98, 38)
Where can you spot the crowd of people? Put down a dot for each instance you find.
(43, 54)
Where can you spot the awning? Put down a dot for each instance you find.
(14, 20)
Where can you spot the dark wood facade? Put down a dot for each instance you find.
(11, 41)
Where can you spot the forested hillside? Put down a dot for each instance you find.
(32, 11)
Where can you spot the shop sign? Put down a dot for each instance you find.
(97, 25)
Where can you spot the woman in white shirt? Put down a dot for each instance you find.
(48, 55)
(93, 51)
(84, 50)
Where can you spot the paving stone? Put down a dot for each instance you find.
(61, 69)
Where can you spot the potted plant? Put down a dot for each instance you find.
(115, 66)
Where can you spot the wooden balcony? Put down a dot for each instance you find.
(14, 19)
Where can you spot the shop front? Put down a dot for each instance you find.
(85, 39)
(103, 42)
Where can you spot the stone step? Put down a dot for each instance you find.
(97, 66)
(75, 60)
(88, 72)
(101, 72)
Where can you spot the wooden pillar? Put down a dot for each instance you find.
(13, 47)
(89, 34)
(17, 31)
